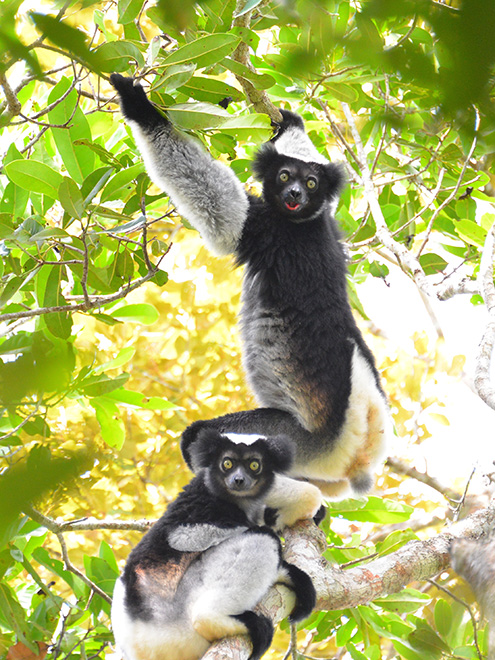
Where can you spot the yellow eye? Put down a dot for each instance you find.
(254, 466)
(311, 183)
(227, 464)
(284, 176)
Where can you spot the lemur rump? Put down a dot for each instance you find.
(306, 361)
(196, 576)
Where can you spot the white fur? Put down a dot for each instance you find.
(244, 438)
(227, 580)
(295, 143)
(367, 416)
(197, 538)
(294, 500)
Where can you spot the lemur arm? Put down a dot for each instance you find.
(205, 191)
(200, 537)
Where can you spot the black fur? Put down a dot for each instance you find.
(196, 504)
(135, 104)
(260, 632)
(305, 593)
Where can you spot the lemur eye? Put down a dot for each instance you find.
(311, 183)
(227, 464)
(254, 466)
(284, 176)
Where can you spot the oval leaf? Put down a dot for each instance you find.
(139, 313)
(205, 51)
(34, 176)
(200, 116)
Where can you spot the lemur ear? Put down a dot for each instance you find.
(281, 451)
(200, 447)
(335, 177)
(264, 161)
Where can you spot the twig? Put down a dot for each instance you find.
(464, 604)
(460, 504)
(454, 192)
(14, 106)
(70, 567)
(398, 466)
(405, 258)
(95, 301)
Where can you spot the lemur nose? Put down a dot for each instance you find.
(295, 193)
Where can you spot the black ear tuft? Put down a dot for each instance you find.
(281, 451)
(289, 120)
(264, 160)
(200, 445)
(335, 177)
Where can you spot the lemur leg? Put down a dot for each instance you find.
(234, 576)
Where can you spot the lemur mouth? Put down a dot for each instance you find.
(292, 206)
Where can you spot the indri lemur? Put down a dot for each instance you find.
(310, 369)
(196, 576)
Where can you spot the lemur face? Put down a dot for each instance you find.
(298, 191)
(240, 471)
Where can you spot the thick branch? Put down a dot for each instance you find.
(340, 589)
(257, 97)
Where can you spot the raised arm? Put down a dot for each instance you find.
(205, 191)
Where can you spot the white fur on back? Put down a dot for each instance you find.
(367, 422)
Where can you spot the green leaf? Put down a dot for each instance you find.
(100, 384)
(122, 358)
(106, 553)
(210, 89)
(49, 232)
(371, 509)
(259, 80)
(79, 160)
(138, 313)
(71, 199)
(341, 92)
(443, 616)
(34, 176)
(205, 51)
(128, 10)
(174, 77)
(15, 617)
(471, 232)
(120, 182)
(432, 263)
(49, 293)
(117, 56)
(199, 116)
(249, 5)
(101, 573)
(138, 400)
(407, 600)
(112, 427)
(66, 37)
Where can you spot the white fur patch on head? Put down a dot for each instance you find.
(244, 438)
(295, 143)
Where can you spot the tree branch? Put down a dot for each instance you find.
(257, 97)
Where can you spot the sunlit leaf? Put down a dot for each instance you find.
(205, 51)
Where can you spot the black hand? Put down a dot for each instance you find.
(134, 103)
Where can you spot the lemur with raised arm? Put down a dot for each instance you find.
(306, 361)
(196, 576)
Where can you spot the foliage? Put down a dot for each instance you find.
(102, 352)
